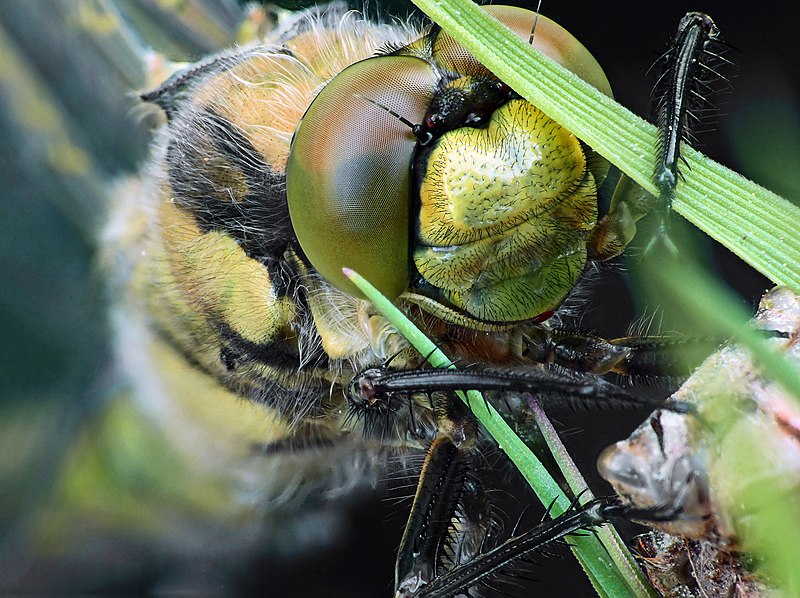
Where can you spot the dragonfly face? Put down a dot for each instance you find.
(424, 172)
(416, 167)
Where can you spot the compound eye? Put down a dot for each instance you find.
(554, 41)
(347, 178)
(550, 38)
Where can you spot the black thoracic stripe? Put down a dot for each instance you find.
(294, 445)
(288, 386)
(275, 393)
(173, 91)
(217, 175)
(236, 350)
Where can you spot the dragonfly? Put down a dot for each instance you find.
(233, 358)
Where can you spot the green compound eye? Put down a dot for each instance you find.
(347, 178)
(550, 38)
(349, 183)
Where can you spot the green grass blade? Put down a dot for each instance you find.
(616, 576)
(722, 316)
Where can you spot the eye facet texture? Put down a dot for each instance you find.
(348, 171)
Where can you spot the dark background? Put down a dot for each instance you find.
(54, 355)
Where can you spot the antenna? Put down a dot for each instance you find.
(535, 20)
(423, 135)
